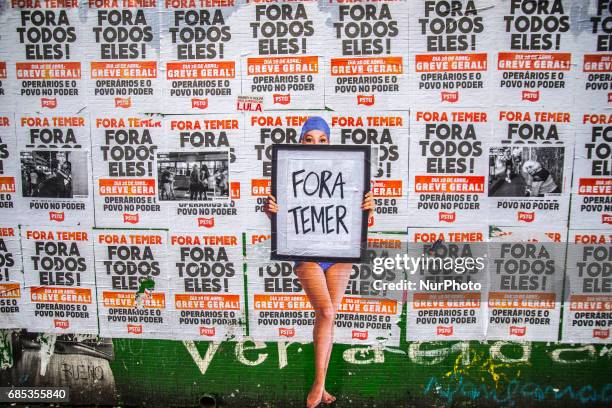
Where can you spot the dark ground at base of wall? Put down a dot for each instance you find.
(373, 403)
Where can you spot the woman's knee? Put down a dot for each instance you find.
(327, 313)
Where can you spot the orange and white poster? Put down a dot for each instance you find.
(206, 286)
(446, 279)
(125, 188)
(11, 278)
(122, 49)
(59, 282)
(283, 44)
(526, 269)
(46, 56)
(592, 187)
(7, 86)
(9, 165)
(531, 157)
(535, 53)
(450, 53)
(262, 131)
(132, 283)
(55, 162)
(367, 57)
(594, 59)
(372, 304)
(587, 307)
(278, 307)
(387, 135)
(448, 166)
(200, 51)
(197, 169)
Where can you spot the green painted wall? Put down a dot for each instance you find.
(247, 374)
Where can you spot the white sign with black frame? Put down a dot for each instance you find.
(319, 191)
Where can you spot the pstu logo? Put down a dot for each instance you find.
(130, 218)
(360, 335)
(518, 331)
(606, 219)
(447, 217)
(207, 331)
(444, 330)
(531, 96)
(526, 216)
(601, 333)
(366, 100)
(50, 103)
(450, 97)
(206, 222)
(199, 103)
(284, 332)
(56, 216)
(123, 102)
(282, 99)
(134, 328)
(61, 324)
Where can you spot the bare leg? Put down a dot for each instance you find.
(313, 281)
(337, 278)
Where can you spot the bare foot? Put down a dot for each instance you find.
(327, 397)
(314, 396)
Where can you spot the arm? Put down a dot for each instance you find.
(369, 205)
(271, 207)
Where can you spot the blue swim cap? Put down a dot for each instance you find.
(314, 123)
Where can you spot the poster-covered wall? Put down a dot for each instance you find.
(149, 126)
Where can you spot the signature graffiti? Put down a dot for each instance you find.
(460, 388)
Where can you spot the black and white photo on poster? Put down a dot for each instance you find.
(526, 171)
(54, 169)
(193, 176)
(54, 174)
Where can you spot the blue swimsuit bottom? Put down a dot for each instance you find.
(324, 265)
